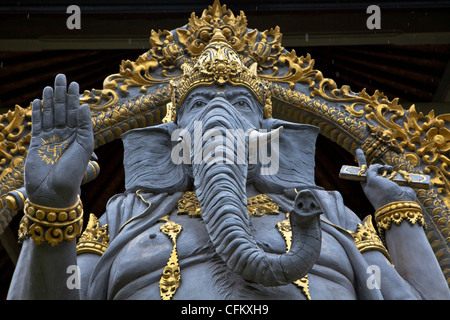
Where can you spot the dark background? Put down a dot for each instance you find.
(407, 58)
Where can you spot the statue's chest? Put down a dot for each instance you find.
(183, 242)
(181, 249)
(193, 237)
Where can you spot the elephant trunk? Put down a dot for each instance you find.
(221, 191)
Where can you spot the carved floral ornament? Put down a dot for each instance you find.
(137, 96)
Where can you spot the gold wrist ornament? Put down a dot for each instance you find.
(52, 225)
(397, 212)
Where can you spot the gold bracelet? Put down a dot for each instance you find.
(397, 212)
(52, 225)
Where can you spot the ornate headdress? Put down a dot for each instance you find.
(218, 64)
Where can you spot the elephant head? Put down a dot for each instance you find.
(211, 148)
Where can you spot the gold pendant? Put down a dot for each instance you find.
(286, 231)
(170, 279)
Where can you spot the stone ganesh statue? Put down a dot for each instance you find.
(220, 203)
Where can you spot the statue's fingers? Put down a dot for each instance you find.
(388, 168)
(360, 157)
(73, 103)
(60, 100)
(409, 193)
(374, 171)
(85, 133)
(47, 109)
(36, 117)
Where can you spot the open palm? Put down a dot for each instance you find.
(61, 145)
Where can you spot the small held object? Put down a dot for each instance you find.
(402, 178)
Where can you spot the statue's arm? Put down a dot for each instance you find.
(86, 263)
(415, 261)
(412, 271)
(66, 277)
(102, 231)
(60, 148)
(42, 272)
(380, 273)
(410, 251)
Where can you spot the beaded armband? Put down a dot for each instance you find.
(52, 225)
(366, 238)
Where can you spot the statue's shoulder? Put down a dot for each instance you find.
(122, 207)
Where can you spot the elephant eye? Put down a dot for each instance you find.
(242, 104)
(198, 104)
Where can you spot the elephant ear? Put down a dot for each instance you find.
(295, 156)
(147, 160)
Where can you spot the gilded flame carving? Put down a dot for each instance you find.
(170, 50)
(200, 30)
(94, 239)
(366, 238)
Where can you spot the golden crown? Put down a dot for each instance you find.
(218, 64)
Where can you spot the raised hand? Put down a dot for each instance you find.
(61, 145)
(380, 190)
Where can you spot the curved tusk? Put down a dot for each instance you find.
(184, 138)
(255, 137)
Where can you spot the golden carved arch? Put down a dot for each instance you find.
(137, 96)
